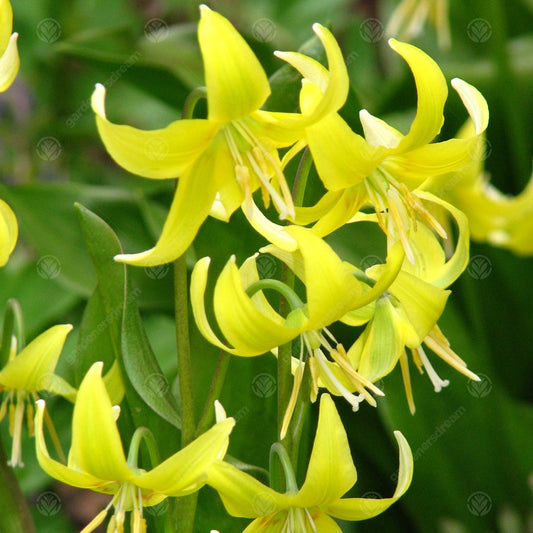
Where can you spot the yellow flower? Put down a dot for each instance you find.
(96, 460)
(9, 58)
(330, 474)
(385, 168)
(27, 373)
(407, 314)
(220, 161)
(410, 16)
(252, 327)
(8, 232)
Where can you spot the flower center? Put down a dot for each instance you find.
(255, 165)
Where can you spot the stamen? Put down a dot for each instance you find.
(438, 383)
(404, 365)
(18, 419)
(310, 520)
(297, 383)
(95, 522)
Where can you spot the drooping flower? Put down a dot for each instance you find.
(386, 168)
(96, 460)
(27, 373)
(251, 326)
(409, 19)
(220, 161)
(9, 56)
(8, 232)
(407, 314)
(330, 474)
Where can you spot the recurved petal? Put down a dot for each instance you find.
(186, 471)
(33, 367)
(8, 232)
(331, 472)
(6, 23)
(9, 63)
(242, 323)
(158, 154)
(96, 445)
(474, 102)
(432, 92)
(192, 203)
(364, 508)
(236, 82)
(244, 495)
(53, 468)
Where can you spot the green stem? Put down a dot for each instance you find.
(192, 99)
(214, 393)
(186, 505)
(15, 516)
(293, 300)
(12, 326)
(300, 180)
(510, 92)
(290, 485)
(141, 434)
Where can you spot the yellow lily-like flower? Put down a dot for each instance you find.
(385, 168)
(9, 56)
(330, 474)
(410, 16)
(27, 373)
(502, 220)
(8, 232)
(96, 460)
(407, 314)
(252, 326)
(220, 161)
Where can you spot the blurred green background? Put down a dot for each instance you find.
(472, 442)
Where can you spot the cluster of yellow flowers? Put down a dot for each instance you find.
(220, 162)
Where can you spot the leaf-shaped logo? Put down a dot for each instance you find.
(369, 261)
(366, 500)
(266, 266)
(264, 30)
(48, 503)
(371, 30)
(159, 509)
(157, 383)
(479, 30)
(480, 389)
(479, 503)
(48, 148)
(157, 271)
(263, 504)
(479, 267)
(48, 267)
(156, 148)
(264, 385)
(156, 30)
(48, 30)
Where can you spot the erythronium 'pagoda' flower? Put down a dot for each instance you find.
(502, 220)
(96, 460)
(9, 58)
(27, 373)
(410, 16)
(385, 168)
(8, 232)
(407, 314)
(252, 327)
(220, 161)
(330, 474)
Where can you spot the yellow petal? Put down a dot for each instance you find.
(8, 232)
(364, 508)
(186, 471)
(158, 154)
(474, 102)
(432, 92)
(32, 369)
(236, 82)
(191, 205)
(242, 494)
(96, 445)
(331, 472)
(6, 23)
(378, 132)
(54, 468)
(9, 63)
